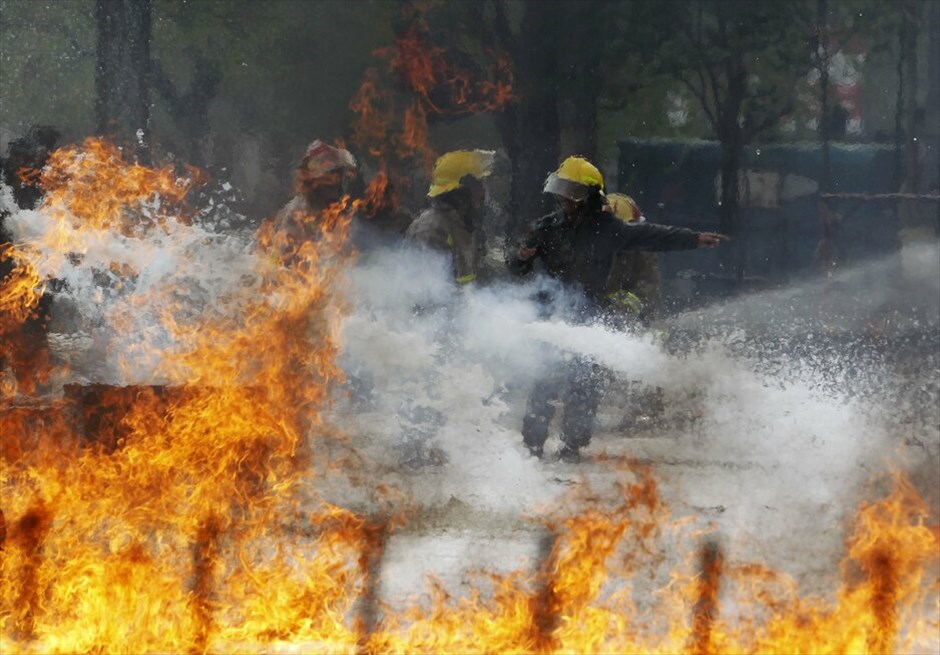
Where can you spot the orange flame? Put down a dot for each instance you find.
(374, 114)
(23, 355)
(94, 187)
(29, 176)
(22, 288)
(154, 488)
(568, 610)
(442, 86)
(394, 130)
(185, 517)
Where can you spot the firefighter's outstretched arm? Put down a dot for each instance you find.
(659, 238)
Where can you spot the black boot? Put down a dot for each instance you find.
(569, 455)
(535, 451)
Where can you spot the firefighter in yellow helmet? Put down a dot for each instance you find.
(451, 223)
(634, 298)
(577, 244)
(633, 284)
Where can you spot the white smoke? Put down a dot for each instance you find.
(777, 457)
(113, 290)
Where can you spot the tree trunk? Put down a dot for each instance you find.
(122, 72)
(190, 110)
(732, 137)
(932, 98)
(579, 66)
(529, 127)
(900, 101)
(911, 19)
(931, 182)
(822, 27)
(916, 219)
(733, 257)
(827, 247)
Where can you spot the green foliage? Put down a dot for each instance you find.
(637, 94)
(741, 60)
(47, 59)
(287, 66)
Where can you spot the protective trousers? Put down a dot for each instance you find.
(579, 385)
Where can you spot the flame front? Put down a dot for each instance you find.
(167, 532)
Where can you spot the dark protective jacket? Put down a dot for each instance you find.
(582, 254)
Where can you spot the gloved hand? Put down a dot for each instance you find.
(626, 301)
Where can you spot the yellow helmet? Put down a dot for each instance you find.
(623, 207)
(576, 179)
(451, 167)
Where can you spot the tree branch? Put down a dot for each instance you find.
(703, 100)
(716, 90)
(502, 29)
(164, 86)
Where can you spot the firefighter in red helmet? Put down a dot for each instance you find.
(324, 177)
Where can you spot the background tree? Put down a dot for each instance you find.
(47, 69)
(199, 50)
(239, 87)
(530, 127)
(741, 61)
(932, 108)
(637, 99)
(122, 70)
(836, 24)
(911, 127)
(581, 50)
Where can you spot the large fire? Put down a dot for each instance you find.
(394, 129)
(184, 515)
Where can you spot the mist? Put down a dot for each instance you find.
(433, 365)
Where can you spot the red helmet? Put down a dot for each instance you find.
(322, 158)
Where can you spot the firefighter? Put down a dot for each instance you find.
(634, 299)
(577, 245)
(452, 223)
(633, 284)
(325, 175)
